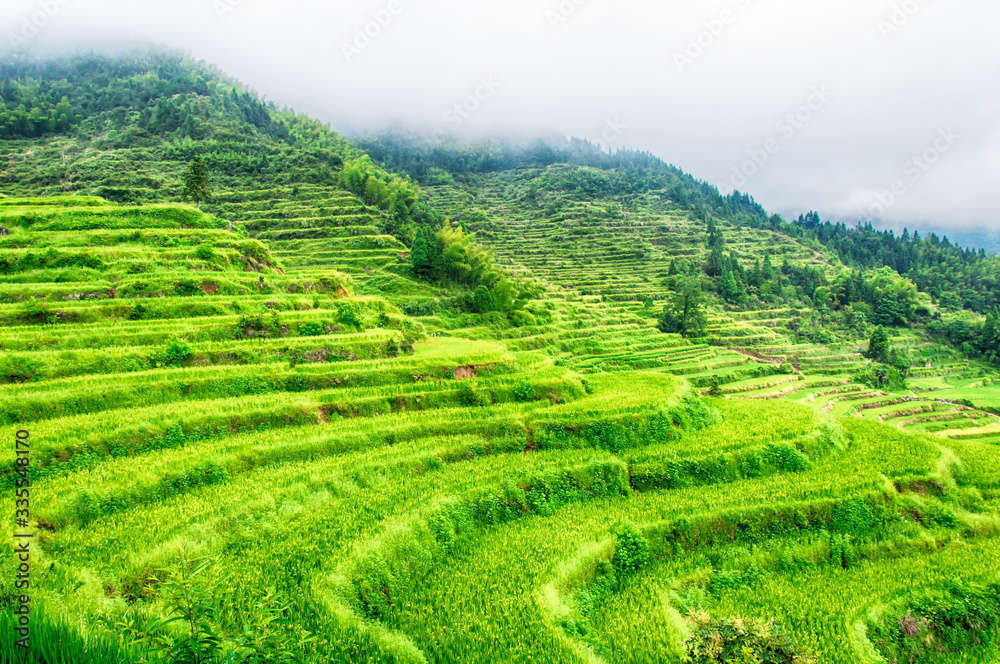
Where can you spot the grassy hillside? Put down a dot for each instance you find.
(264, 432)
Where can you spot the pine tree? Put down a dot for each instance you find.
(729, 288)
(196, 183)
(767, 270)
(715, 262)
(714, 237)
(420, 256)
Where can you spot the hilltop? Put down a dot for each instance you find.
(390, 400)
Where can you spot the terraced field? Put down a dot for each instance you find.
(232, 420)
(604, 247)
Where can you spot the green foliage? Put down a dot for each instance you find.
(741, 641)
(312, 329)
(176, 352)
(380, 189)
(482, 300)
(257, 324)
(420, 256)
(205, 252)
(522, 318)
(525, 392)
(974, 340)
(853, 517)
(684, 314)
(631, 550)
(879, 347)
(956, 618)
(349, 313)
(192, 594)
(196, 185)
(455, 256)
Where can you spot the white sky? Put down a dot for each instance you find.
(575, 67)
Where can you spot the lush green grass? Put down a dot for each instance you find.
(437, 486)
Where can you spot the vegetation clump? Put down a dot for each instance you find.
(742, 641)
(958, 617)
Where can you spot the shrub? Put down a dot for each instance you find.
(524, 392)
(929, 623)
(739, 640)
(176, 352)
(187, 288)
(422, 307)
(252, 325)
(733, 579)
(138, 312)
(349, 313)
(35, 311)
(482, 300)
(311, 329)
(205, 252)
(786, 458)
(853, 517)
(631, 550)
(522, 319)
(495, 319)
(470, 395)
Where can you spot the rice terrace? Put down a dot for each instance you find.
(272, 395)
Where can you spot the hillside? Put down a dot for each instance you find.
(316, 421)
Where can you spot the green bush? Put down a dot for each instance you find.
(311, 329)
(631, 550)
(524, 392)
(853, 517)
(176, 352)
(522, 319)
(138, 312)
(422, 307)
(728, 579)
(349, 313)
(930, 623)
(739, 641)
(205, 252)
